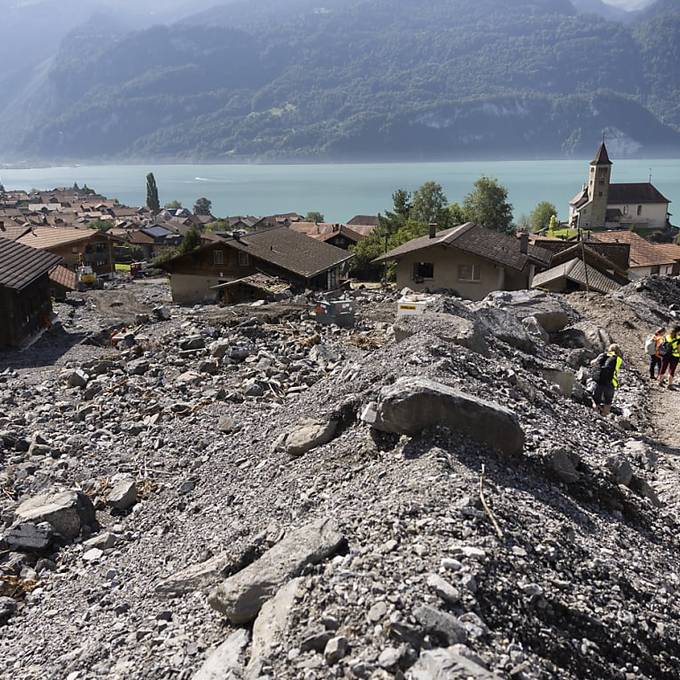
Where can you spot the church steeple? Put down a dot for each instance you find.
(602, 156)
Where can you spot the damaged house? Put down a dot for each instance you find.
(470, 260)
(279, 253)
(25, 303)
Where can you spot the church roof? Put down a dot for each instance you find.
(643, 192)
(602, 156)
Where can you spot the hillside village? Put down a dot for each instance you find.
(226, 453)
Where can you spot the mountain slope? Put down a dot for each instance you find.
(356, 78)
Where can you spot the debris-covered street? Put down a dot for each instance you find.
(243, 492)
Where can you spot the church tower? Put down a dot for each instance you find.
(598, 191)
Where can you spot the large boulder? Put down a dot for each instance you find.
(549, 310)
(225, 661)
(412, 405)
(447, 664)
(454, 330)
(242, 595)
(584, 335)
(271, 626)
(506, 327)
(67, 512)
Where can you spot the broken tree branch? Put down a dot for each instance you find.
(485, 505)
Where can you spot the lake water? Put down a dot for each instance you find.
(339, 191)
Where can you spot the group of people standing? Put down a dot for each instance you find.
(664, 350)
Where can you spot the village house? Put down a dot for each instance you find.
(77, 247)
(469, 259)
(646, 258)
(25, 303)
(338, 235)
(279, 252)
(604, 204)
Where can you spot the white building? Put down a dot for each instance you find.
(603, 204)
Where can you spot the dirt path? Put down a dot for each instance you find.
(665, 415)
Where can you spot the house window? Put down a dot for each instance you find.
(243, 259)
(218, 257)
(471, 273)
(600, 194)
(639, 210)
(422, 271)
(656, 269)
(625, 209)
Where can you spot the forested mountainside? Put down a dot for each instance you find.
(356, 79)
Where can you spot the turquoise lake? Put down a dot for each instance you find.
(340, 191)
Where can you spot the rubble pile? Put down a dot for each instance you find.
(244, 493)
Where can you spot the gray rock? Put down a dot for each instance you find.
(138, 367)
(505, 326)
(224, 662)
(241, 596)
(336, 649)
(620, 468)
(443, 589)
(308, 435)
(67, 512)
(77, 378)
(123, 494)
(446, 664)
(454, 330)
(226, 424)
(8, 608)
(271, 625)
(414, 404)
(219, 348)
(209, 366)
(551, 311)
(103, 541)
(443, 625)
(30, 537)
(377, 612)
(562, 463)
(643, 488)
(198, 576)
(192, 342)
(389, 657)
(535, 330)
(162, 313)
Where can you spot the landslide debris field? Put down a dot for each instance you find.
(242, 493)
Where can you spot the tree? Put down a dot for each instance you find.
(401, 200)
(314, 216)
(430, 205)
(456, 214)
(488, 205)
(100, 225)
(152, 202)
(541, 216)
(190, 242)
(173, 205)
(554, 224)
(203, 206)
(524, 223)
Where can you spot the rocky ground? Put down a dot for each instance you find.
(242, 493)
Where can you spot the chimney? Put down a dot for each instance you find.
(433, 229)
(524, 243)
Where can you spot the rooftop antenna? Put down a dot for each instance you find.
(650, 175)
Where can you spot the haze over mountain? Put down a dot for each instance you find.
(337, 79)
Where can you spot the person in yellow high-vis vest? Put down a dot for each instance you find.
(670, 356)
(606, 374)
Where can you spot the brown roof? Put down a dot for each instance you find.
(64, 277)
(365, 220)
(284, 248)
(21, 265)
(13, 231)
(642, 252)
(592, 257)
(52, 237)
(668, 250)
(471, 238)
(574, 270)
(642, 192)
(324, 231)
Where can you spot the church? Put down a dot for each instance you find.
(602, 204)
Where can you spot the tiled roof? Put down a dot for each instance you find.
(365, 220)
(283, 248)
(64, 277)
(602, 156)
(13, 231)
(471, 238)
(21, 265)
(583, 274)
(643, 192)
(52, 237)
(642, 252)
